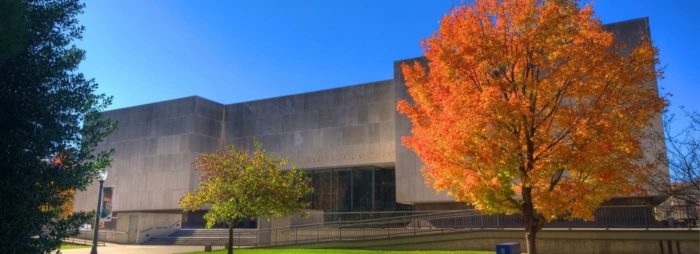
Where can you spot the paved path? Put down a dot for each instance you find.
(136, 249)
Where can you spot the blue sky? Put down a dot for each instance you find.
(233, 51)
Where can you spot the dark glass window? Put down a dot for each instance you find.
(362, 189)
(324, 190)
(384, 190)
(343, 194)
(353, 189)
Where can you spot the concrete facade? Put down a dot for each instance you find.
(411, 186)
(154, 146)
(343, 127)
(346, 126)
(156, 143)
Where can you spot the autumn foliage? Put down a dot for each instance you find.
(530, 106)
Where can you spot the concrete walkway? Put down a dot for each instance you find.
(111, 248)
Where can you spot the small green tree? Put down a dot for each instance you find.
(243, 185)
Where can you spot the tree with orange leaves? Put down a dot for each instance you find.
(529, 106)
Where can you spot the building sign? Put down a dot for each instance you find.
(371, 156)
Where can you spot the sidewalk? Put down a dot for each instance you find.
(111, 248)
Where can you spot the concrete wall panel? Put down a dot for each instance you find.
(339, 127)
(154, 147)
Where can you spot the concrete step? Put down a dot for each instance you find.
(211, 232)
(216, 237)
(199, 241)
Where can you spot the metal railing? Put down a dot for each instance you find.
(110, 224)
(241, 238)
(84, 237)
(356, 227)
(349, 226)
(171, 226)
(105, 234)
(414, 224)
(333, 217)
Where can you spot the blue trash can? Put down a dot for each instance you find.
(507, 248)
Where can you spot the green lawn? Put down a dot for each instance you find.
(338, 251)
(68, 246)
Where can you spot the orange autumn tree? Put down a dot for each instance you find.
(528, 106)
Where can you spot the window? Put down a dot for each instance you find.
(353, 189)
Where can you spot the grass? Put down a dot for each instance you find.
(338, 251)
(68, 246)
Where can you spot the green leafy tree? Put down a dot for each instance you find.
(49, 124)
(240, 185)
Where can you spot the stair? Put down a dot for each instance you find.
(214, 237)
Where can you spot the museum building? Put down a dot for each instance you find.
(347, 139)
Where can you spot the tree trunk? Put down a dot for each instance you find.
(230, 237)
(533, 221)
(531, 241)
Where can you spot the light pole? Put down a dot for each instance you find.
(103, 177)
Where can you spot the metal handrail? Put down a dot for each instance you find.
(372, 224)
(401, 224)
(423, 213)
(452, 221)
(84, 237)
(177, 223)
